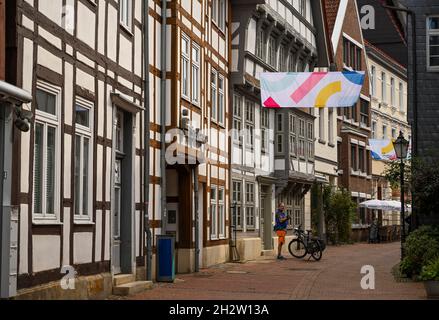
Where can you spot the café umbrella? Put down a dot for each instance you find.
(386, 205)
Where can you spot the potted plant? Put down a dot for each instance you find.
(430, 276)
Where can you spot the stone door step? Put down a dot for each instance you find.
(121, 279)
(131, 288)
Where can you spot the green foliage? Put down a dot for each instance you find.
(392, 173)
(421, 247)
(421, 179)
(425, 185)
(431, 271)
(340, 212)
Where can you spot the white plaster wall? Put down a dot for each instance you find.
(86, 26)
(82, 249)
(46, 252)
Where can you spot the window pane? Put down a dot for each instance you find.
(85, 191)
(434, 40)
(82, 116)
(46, 102)
(77, 175)
(433, 23)
(50, 170)
(38, 174)
(434, 61)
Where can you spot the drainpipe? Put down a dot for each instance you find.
(146, 137)
(163, 50)
(197, 222)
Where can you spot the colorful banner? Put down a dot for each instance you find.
(382, 150)
(311, 89)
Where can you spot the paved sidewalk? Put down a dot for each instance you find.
(336, 276)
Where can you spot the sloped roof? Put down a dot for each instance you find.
(331, 10)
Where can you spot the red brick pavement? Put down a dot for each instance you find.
(337, 276)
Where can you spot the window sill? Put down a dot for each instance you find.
(83, 222)
(46, 222)
(126, 30)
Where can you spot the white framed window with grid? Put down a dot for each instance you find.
(213, 94)
(250, 205)
(185, 65)
(433, 43)
(237, 118)
(83, 167)
(249, 123)
(265, 128)
(221, 213)
(126, 9)
(195, 83)
(219, 11)
(237, 201)
(213, 213)
(47, 150)
(221, 109)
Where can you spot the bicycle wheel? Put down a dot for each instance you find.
(316, 252)
(297, 249)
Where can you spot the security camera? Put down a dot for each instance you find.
(23, 120)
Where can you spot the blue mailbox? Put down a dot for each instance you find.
(165, 266)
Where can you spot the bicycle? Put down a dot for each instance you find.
(304, 244)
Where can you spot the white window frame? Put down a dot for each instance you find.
(221, 99)
(322, 130)
(47, 119)
(195, 72)
(260, 44)
(85, 132)
(185, 65)
(219, 13)
(384, 130)
(237, 119)
(272, 51)
(265, 126)
(250, 205)
(238, 198)
(213, 213)
(331, 125)
(373, 80)
(384, 87)
(221, 213)
(431, 32)
(392, 91)
(126, 5)
(214, 94)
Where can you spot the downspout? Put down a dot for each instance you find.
(163, 50)
(146, 137)
(197, 221)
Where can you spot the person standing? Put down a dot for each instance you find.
(280, 227)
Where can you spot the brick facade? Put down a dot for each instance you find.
(350, 132)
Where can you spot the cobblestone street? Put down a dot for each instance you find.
(336, 276)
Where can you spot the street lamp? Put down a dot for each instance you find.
(401, 146)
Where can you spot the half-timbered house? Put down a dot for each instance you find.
(273, 152)
(77, 175)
